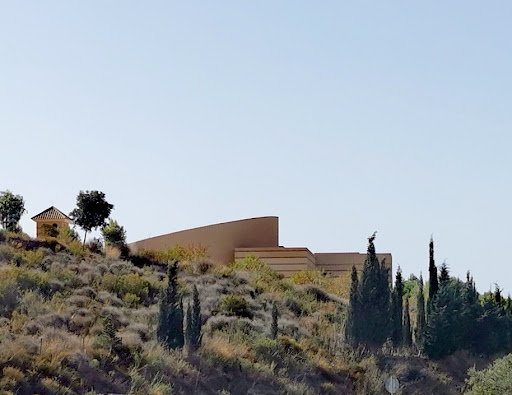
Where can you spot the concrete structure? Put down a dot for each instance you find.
(235, 240)
(48, 219)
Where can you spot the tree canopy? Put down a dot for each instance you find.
(91, 210)
(12, 208)
(114, 234)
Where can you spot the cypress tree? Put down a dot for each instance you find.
(421, 319)
(498, 299)
(374, 325)
(274, 326)
(196, 320)
(471, 311)
(189, 332)
(433, 286)
(397, 308)
(407, 333)
(354, 314)
(170, 320)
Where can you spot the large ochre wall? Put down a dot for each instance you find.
(221, 240)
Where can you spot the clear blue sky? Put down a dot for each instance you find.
(339, 117)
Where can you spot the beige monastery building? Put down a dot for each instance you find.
(229, 241)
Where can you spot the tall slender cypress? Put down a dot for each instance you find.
(421, 319)
(196, 319)
(189, 332)
(407, 333)
(433, 286)
(397, 308)
(274, 325)
(498, 299)
(354, 314)
(170, 320)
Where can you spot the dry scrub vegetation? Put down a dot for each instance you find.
(63, 312)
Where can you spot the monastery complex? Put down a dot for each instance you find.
(235, 240)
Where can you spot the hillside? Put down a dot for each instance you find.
(55, 300)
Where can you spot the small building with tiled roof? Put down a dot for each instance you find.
(50, 219)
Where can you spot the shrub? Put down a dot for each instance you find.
(95, 246)
(235, 305)
(495, 379)
(284, 350)
(114, 234)
(126, 284)
(9, 296)
(339, 286)
(188, 253)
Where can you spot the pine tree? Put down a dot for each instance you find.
(397, 308)
(352, 330)
(407, 333)
(374, 325)
(444, 275)
(170, 321)
(421, 319)
(433, 286)
(274, 326)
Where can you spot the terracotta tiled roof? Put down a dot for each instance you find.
(51, 213)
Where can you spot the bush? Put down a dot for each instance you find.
(9, 296)
(95, 246)
(339, 286)
(284, 350)
(235, 305)
(494, 380)
(114, 234)
(126, 284)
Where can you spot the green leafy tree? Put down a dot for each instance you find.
(170, 320)
(374, 326)
(407, 332)
(114, 234)
(420, 319)
(397, 308)
(274, 325)
(91, 210)
(12, 208)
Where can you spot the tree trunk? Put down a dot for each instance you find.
(85, 236)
